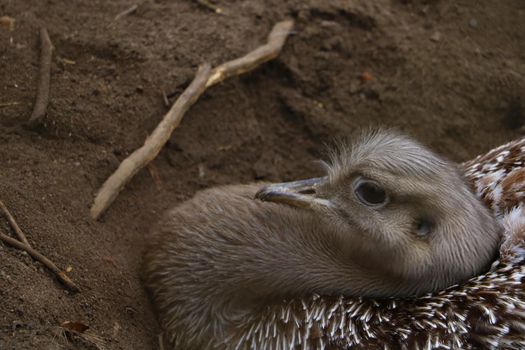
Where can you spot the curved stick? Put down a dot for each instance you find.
(44, 76)
(152, 146)
(203, 79)
(61, 275)
(255, 58)
(14, 224)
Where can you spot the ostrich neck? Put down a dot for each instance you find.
(222, 271)
(275, 253)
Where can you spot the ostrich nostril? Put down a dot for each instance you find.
(308, 191)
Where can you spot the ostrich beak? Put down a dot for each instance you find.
(301, 194)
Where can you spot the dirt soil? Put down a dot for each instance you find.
(449, 73)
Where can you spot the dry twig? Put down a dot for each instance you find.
(14, 225)
(44, 76)
(8, 104)
(203, 79)
(165, 99)
(85, 339)
(210, 6)
(126, 12)
(255, 58)
(22, 244)
(61, 275)
(153, 144)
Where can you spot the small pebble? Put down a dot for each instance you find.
(436, 37)
(355, 86)
(7, 23)
(202, 171)
(473, 23)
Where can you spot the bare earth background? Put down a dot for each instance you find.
(447, 72)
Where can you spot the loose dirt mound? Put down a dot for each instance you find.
(449, 73)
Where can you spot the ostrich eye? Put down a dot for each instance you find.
(369, 192)
(424, 226)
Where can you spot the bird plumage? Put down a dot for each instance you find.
(487, 311)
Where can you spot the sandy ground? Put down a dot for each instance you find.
(449, 73)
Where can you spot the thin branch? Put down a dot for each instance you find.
(126, 12)
(153, 144)
(203, 79)
(165, 99)
(14, 225)
(252, 60)
(44, 76)
(210, 6)
(8, 104)
(61, 275)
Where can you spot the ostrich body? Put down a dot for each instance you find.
(389, 250)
